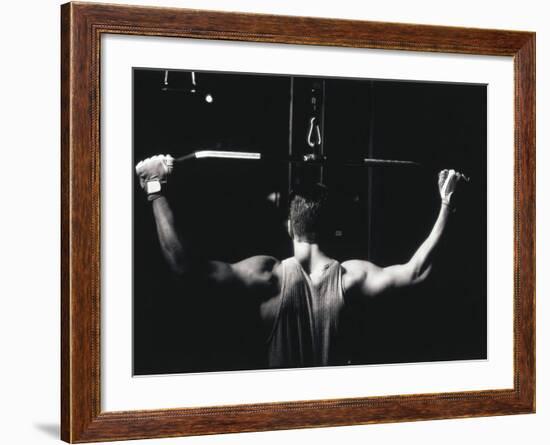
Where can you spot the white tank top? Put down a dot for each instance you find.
(306, 327)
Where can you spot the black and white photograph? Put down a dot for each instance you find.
(291, 221)
(277, 221)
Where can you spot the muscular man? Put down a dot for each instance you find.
(299, 300)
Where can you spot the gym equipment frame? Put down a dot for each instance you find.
(82, 417)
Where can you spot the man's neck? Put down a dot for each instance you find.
(310, 256)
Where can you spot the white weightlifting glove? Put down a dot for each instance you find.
(447, 181)
(153, 173)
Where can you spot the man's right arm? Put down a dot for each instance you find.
(153, 175)
(256, 274)
(175, 249)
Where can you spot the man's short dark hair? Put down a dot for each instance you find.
(309, 213)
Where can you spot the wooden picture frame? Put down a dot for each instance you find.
(82, 25)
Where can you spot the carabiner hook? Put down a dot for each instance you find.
(310, 133)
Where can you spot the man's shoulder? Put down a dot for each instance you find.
(356, 267)
(260, 273)
(258, 263)
(354, 272)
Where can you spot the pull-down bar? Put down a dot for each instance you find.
(306, 159)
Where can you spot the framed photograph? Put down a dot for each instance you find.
(274, 222)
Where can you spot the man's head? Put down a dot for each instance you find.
(309, 213)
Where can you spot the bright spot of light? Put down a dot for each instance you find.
(208, 98)
(274, 198)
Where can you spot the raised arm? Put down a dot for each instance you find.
(153, 175)
(256, 273)
(176, 249)
(366, 279)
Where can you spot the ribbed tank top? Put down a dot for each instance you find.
(306, 327)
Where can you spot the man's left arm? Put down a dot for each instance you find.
(370, 280)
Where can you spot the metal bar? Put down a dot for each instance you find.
(370, 174)
(290, 134)
(306, 159)
(376, 162)
(219, 154)
(322, 119)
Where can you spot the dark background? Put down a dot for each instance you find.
(383, 213)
